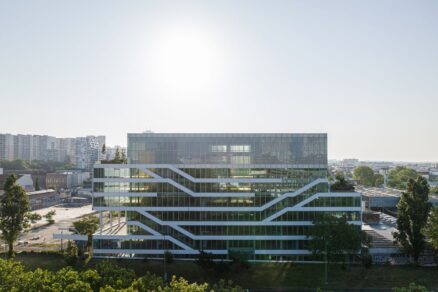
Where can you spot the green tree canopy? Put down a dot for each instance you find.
(434, 190)
(19, 164)
(431, 229)
(87, 226)
(335, 236)
(71, 254)
(117, 155)
(399, 177)
(341, 184)
(364, 175)
(411, 288)
(49, 217)
(15, 212)
(106, 277)
(412, 213)
(378, 180)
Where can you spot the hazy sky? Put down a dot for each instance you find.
(365, 72)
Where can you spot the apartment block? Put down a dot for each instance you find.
(82, 151)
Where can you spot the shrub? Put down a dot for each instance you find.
(71, 254)
(168, 257)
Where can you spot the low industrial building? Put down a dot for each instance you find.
(379, 198)
(66, 180)
(43, 199)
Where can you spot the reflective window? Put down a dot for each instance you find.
(309, 149)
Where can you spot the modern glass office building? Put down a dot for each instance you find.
(251, 195)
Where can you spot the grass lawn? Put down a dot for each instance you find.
(269, 275)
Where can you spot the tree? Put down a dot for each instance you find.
(334, 236)
(434, 190)
(411, 288)
(182, 285)
(49, 217)
(399, 177)
(117, 156)
(91, 277)
(114, 276)
(16, 164)
(9, 272)
(103, 149)
(15, 212)
(68, 279)
(412, 212)
(71, 254)
(106, 277)
(431, 229)
(148, 282)
(87, 226)
(123, 159)
(364, 175)
(379, 180)
(341, 185)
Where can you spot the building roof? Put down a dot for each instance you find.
(40, 192)
(226, 134)
(378, 192)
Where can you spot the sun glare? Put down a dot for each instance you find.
(188, 60)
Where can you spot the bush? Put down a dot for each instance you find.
(106, 277)
(114, 276)
(367, 261)
(168, 257)
(205, 259)
(226, 286)
(238, 263)
(411, 288)
(71, 254)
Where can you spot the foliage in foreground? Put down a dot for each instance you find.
(411, 288)
(105, 277)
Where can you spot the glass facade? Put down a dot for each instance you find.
(255, 194)
(232, 149)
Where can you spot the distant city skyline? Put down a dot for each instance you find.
(364, 72)
(109, 145)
